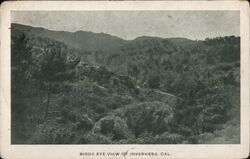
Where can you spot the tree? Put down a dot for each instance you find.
(21, 60)
(21, 63)
(205, 104)
(216, 106)
(154, 117)
(54, 67)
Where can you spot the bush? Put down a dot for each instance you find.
(52, 133)
(113, 127)
(168, 138)
(155, 117)
(93, 138)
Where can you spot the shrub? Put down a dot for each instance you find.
(168, 138)
(113, 127)
(155, 117)
(52, 133)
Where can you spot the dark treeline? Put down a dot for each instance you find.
(149, 91)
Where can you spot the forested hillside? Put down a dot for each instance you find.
(90, 88)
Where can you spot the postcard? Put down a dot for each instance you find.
(124, 79)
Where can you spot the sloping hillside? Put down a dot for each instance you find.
(94, 88)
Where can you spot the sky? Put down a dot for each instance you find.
(195, 25)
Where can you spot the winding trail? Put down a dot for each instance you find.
(164, 93)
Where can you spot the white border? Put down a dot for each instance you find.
(9, 151)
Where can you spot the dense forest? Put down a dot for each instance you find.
(89, 88)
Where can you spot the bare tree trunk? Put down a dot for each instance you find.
(48, 100)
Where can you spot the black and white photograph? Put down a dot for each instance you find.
(126, 77)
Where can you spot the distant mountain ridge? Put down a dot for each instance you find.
(85, 40)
